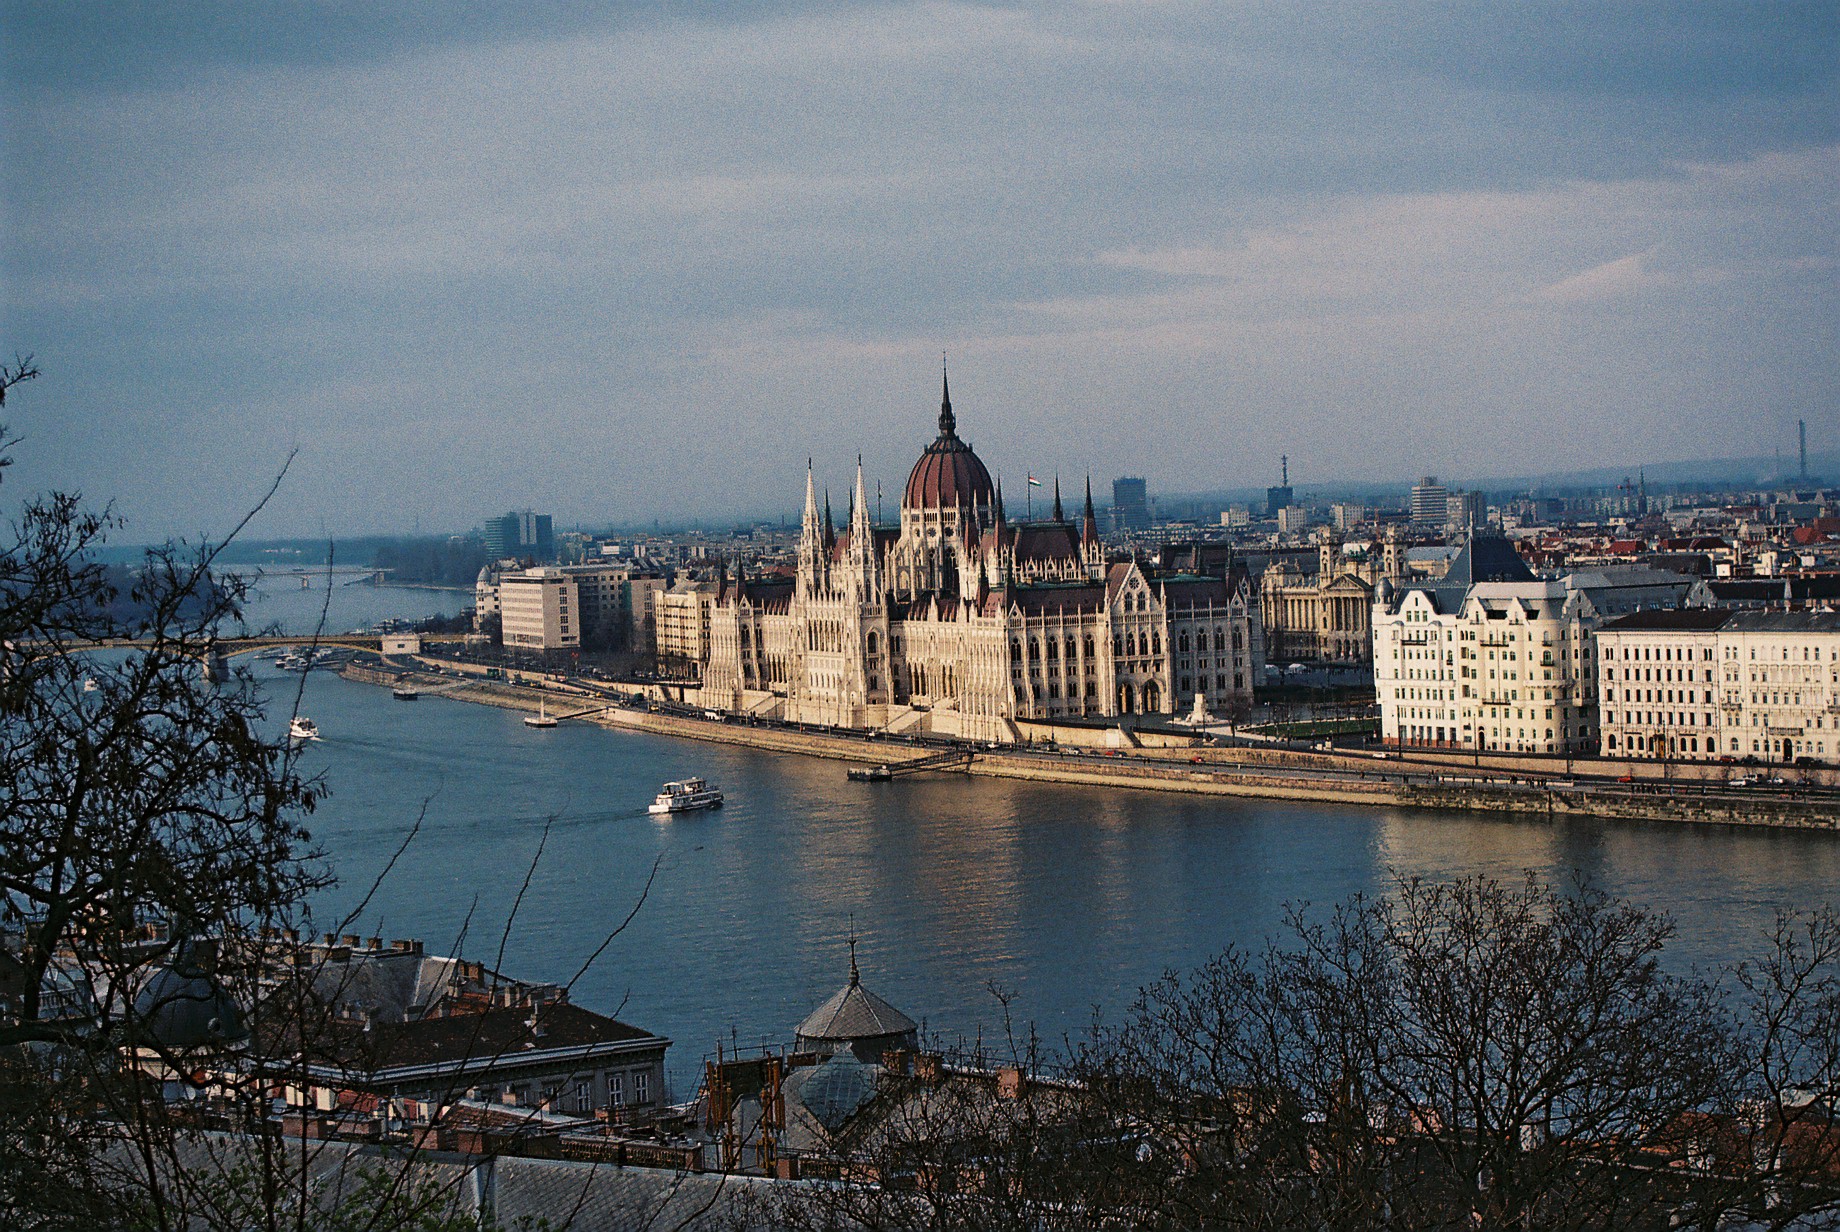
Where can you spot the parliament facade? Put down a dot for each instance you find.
(961, 622)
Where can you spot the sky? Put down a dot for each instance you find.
(645, 263)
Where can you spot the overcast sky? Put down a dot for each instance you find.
(644, 265)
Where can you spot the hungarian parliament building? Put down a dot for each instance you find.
(962, 622)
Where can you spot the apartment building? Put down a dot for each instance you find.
(1490, 657)
(1722, 685)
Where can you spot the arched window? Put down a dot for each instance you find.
(1088, 644)
(1015, 649)
(1182, 642)
(1034, 649)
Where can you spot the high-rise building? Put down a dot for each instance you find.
(1279, 497)
(1430, 502)
(1466, 510)
(1130, 504)
(521, 536)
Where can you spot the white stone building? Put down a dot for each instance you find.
(960, 622)
(1490, 657)
(1722, 685)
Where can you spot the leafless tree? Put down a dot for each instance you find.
(1465, 1055)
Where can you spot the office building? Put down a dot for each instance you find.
(538, 611)
(1430, 502)
(1130, 505)
(521, 536)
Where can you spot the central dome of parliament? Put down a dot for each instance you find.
(948, 475)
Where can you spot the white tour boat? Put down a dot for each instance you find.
(302, 729)
(686, 795)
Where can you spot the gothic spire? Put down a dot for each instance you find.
(1058, 516)
(1089, 525)
(947, 423)
(859, 501)
(1000, 517)
(830, 531)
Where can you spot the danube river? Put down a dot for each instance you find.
(1067, 898)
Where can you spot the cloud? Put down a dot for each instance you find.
(475, 263)
(1613, 279)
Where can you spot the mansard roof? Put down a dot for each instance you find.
(1670, 620)
(1045, 541)
(1486, 557)
(1190, 591)
(1046, 599)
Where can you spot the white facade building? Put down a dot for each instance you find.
(1728, 686)
(538, 610)
(961, 622)
(1489, 657)
(682, 622)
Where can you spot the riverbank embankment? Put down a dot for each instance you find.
(1269, 774)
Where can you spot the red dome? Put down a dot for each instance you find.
(948, 475)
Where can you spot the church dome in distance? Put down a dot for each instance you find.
(948, 475)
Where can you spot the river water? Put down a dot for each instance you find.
(1066, 898)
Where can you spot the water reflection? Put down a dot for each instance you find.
(1068, 897)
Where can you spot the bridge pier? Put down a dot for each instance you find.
(216, 665)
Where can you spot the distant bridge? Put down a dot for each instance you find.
(230, 646)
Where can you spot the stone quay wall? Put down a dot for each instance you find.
(1264, 773)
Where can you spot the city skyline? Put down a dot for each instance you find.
(465, 262)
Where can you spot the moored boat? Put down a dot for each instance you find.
(540, 718)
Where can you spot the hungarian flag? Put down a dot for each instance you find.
(1034, 482)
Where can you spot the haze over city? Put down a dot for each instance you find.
(648, 262)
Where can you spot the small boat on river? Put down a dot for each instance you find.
(540, 718)
(685, 795)
(302, 729)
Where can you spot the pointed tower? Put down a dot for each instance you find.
(863, 562)
(1058, 515)
(1092, 553)
(948, 423)
(811, 537)
(830, 530)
